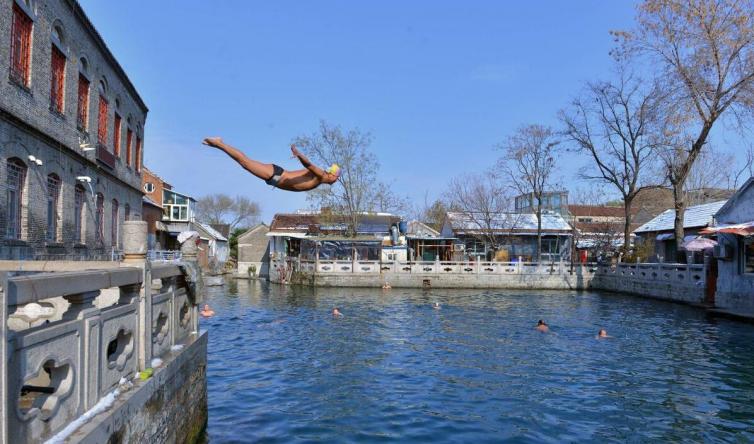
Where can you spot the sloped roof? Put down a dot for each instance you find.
(417, 228)
(695, 216)
(517, 222)
(730, 203)
(304, 223)
(597, 210)
(148, 201)
(212, 232)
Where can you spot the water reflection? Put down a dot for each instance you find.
(283, 369)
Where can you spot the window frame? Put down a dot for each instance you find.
(21, 45)
(82, 111)
(114, 214)
(99, 217)
(117, 127)
(57, 79)
(15, 209)
(53, 201)
(79, 202)
(746, 243)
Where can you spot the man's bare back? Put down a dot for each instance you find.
(308, 178)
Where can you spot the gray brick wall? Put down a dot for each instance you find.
(28, 127)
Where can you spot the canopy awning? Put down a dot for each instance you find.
(665, 236)
(295, 235)
(742, 229)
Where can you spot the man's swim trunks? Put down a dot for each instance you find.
(276, 173)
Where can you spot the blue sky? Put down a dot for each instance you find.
(437, 83)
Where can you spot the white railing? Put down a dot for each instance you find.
(437, 267)
(164, 255)
(689, 274)
(74, 335)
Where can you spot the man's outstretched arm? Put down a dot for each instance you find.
(317, 171)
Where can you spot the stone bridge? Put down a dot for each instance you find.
(104, 355)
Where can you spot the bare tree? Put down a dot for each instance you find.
(484, 204)
(358, 190)
(432, 214)
(616, 125)
(223, 209)
(705, 52)
(529, 162)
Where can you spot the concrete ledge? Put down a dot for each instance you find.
(169, 407)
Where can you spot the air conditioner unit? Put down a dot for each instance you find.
(459, 247)
(723, 251)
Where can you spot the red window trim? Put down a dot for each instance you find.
(102, 121)
(20, 46)
(137, 164)
(57, 79)
(129, 138)
(116, 135)
(83, 102)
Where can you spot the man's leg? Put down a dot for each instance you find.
(263, 171)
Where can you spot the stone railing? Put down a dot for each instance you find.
(675, 282)
(684, 274)
(433, 268)
(164, 255)
(71, 338)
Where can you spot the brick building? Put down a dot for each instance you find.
(71, 135)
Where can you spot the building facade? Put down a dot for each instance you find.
(734, 227)
(253, 250)
(555, 201)
(71, 135)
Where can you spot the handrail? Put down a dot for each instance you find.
(37, 287)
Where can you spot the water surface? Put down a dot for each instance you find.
(393, 368)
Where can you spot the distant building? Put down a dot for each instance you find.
(311, 235)
(253, 250)
(599, 229)
(554, 201)
(514, 233)
(71, 136)
(660, 229)
(734, 227)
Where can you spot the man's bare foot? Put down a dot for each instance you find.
(294, 150)
(213, 141)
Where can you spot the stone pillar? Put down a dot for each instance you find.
(134, 241)
(82, 307)
(190, 258)
(4, 359)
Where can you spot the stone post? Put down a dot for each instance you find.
(135, 255)
(190, 257)
(4, 359)
(82, 307)
(134, 241)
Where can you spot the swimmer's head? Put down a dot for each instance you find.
(206, 306)
(334, 170)
(541, 322)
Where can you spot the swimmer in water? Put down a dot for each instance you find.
(436, 306)
(542, 326)
(386, 286)
(602, 334)
(207, 312)
(336, 312)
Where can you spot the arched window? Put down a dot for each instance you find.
(127, 212)
(82, 121)
(53, 197)
(102, 114)
(99, 218)
(78, 210)
(57, 70)
(20, 46)
(15, 186)
(137, 150)
(129, 138)
(114, 225)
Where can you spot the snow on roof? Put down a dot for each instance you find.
(212, 232)
(507, 221)
(696, 216)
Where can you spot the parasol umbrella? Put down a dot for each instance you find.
(699, 244)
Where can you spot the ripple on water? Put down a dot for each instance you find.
(282, 369)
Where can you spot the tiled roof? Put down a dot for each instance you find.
(597, 210)
(695, 216)
(368, 223)
(521, 222)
